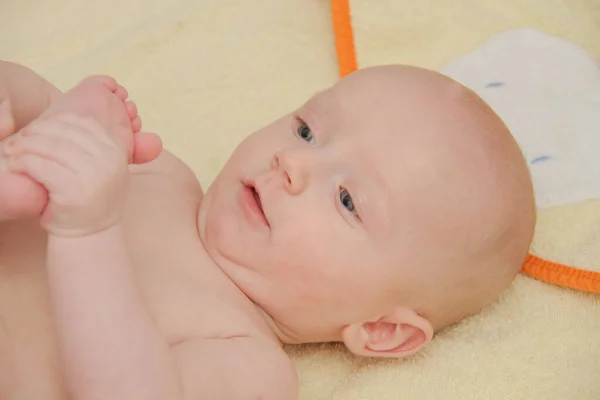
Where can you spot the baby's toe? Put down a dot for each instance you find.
(121, 92)
(148, 147)
(108, 81)
(132, 112)
(131, 109)
(136, 124)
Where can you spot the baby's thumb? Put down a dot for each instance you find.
(20, 196)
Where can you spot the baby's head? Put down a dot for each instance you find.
(395, 204)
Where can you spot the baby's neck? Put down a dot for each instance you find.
(283, 335)
(263, 321)
(269, 325)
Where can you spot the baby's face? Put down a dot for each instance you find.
(317, 211)
(326, 180)
(329, 215)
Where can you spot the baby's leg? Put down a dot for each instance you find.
(24, 95)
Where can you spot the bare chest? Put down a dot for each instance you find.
(188, 295)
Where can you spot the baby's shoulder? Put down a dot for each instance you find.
(240, 368)
(165, 164)
(166, 167)
(267, 364)
(277, 374)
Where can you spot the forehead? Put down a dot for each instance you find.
(378, 126)
(379, 108)
(350, 116)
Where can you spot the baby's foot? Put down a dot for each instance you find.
(102, 99)
(24, 96)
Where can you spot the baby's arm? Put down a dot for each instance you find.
(115, 350)
(24, 95)
(112, 348)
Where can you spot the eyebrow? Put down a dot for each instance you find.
(320, 106)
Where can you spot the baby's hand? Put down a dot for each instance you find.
(82, 167)
(98, 97)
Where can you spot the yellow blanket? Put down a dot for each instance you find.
(207, 72)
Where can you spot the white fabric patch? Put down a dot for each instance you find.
(547, 91)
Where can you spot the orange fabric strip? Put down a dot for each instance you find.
(534, 266)
(344, 37)
(561, 275)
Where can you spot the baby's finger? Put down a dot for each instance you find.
(42, 170)
(63, 151)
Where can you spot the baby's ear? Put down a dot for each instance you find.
(400, 334)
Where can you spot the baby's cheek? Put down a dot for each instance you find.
(305, 239)
(294, 251)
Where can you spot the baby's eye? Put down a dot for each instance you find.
(346, 200)
(304, 132)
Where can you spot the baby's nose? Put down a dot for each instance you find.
(293, 171)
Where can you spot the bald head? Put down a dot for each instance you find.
(464, 199)
(396, 198)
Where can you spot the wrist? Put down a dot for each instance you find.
(113, 224)
(105, 248)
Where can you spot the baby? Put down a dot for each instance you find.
(388, 207)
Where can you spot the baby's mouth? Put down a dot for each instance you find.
(258, 207)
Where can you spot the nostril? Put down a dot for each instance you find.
(275, 162)
(288, 177)
(283, 167)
